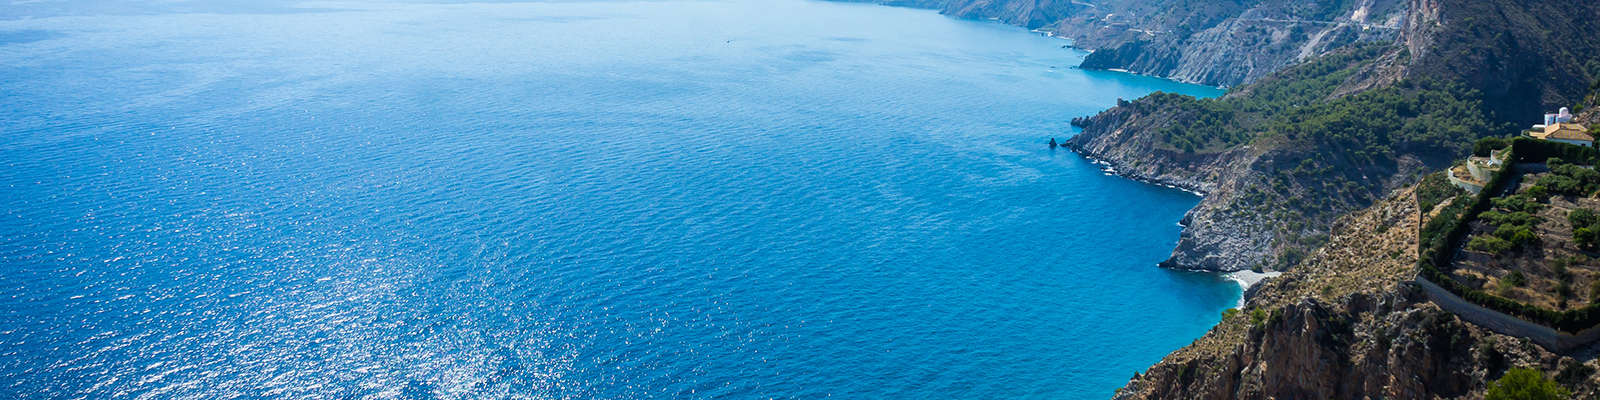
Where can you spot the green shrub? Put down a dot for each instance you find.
(1433, 189)
(1587, 238)
(1560, 184)
(1583, 217)
(1257, 316)
(1504, 288)
(1489, 244)
(1517, 202)
(1445, 223)
(1482, 147)
(1518, 235)
(1516, 278)
(1518, 218)
(1537, 192)
(1525, 384)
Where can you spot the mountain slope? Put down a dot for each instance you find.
(1212, 42)
(1281, 158)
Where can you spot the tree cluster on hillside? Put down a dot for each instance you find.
(1513, 222)
(1566, 179)
(1367, 127)
(1585, 228)
(1213, 124)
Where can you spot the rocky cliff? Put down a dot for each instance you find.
(1282, 157)
(1117, 138)
(1227, 43)
(1218, 43)
(1348, 323)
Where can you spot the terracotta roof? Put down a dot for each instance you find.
(1568, 131)
(1563, 131)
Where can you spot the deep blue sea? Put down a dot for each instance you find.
(568, 200)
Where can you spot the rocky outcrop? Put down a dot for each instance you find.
(1349, 324)
(1212, 239)
(1120, 137)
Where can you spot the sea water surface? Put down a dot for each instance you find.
(639, 199)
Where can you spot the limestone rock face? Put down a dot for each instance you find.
(1217, 43)
(1251, 42)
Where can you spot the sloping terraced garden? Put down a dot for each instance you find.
(1528, 244)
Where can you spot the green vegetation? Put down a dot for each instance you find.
(1518, 235)
(1332, 152)
(1440, 238)
(1370, 126)
(1525, 384)
(1435, 188)
(1299, 103)
(1515, 278)
(1257, 316)
(1587, 238)
(1484, 146)
(1207, 125)
(1519, 218)
(1585, 228)
(1513, 226)
(1490, 244)
(1571, 180)
(1512, 281)
(1435, 231)
(1518, 203)
(1373, 125)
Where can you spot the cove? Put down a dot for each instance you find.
(613, 199)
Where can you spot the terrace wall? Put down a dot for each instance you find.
(1545, 336)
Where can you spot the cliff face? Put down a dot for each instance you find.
(1117, 138)
(1526, 57)
(1498, 62)
(1348, 324)
(1211, 42)
(1231, 44)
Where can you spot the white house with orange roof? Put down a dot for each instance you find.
(1560, 128)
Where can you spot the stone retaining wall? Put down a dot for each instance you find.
(1555, 341)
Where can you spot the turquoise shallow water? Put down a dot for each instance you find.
(784, 199)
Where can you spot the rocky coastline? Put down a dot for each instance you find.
(1123, 139)
(1331, 203)
(1112, 167)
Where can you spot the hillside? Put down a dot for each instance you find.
(1309, 166)
(1282, 157)
(1211, 42)
(1348, 323)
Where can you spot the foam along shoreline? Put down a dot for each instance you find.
(1248, 278)
(1110, 169)
(1245, 278)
